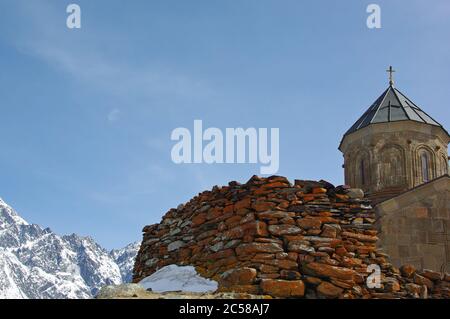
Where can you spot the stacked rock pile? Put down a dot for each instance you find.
(270, 237)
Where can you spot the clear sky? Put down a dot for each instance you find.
(86, 115)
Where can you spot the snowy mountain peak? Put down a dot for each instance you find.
(125, 259)
(8, 217)
(37, 263)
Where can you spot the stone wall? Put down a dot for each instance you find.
(414, 226)
(270, 237)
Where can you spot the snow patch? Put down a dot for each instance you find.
(178, 278)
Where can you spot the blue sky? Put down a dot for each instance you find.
(86, 115)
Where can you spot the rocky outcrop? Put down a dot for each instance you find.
(270, 237)
(134, 291)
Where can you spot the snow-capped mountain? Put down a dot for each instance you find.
(37, 263)
(124, 258)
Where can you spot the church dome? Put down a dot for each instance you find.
(394, 146)
(392, 106)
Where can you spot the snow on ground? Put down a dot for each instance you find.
(178, 278)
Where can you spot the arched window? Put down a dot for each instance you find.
(362, 172)
(425, 164)
(444, 165)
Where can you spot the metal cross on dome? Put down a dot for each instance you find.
(391, 75)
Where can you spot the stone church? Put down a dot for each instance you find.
(398, 155)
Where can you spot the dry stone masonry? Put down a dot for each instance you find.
(269, 237)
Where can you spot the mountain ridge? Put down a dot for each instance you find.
(37, 263)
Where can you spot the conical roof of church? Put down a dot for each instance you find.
(392, 106)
